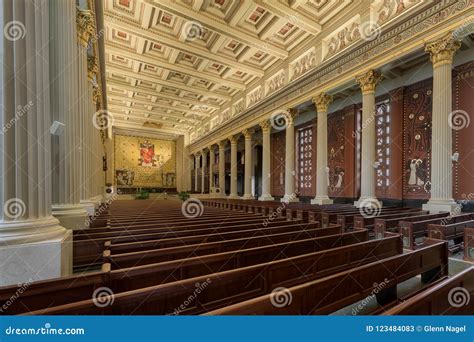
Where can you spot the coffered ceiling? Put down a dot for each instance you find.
(171, 64)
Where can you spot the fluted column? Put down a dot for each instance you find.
(441, 53)
(322, 102)
(203, 171)
(233, 167)
(196, 175)
(64, 94)
(85, 29)
(212, 155)
(248, 133)
(290, 154)
(367, 84)
(222, 145)
(33, 245)
(266, 160)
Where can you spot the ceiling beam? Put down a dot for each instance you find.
(219, 26)
(125, 26)
(141, 76)
(139, 114)
(128, 124)
(132, 55)
(158, 94)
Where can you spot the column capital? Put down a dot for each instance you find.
(197, 154)
(211, 147)
(322, 101)
(204, 152)
(248, 132)
(442, 50)
(265, 125)
(233, 139)
(369, 80)
(85, 26)
(97, 94)
(92, 66)
(222, 144)
(290, 115)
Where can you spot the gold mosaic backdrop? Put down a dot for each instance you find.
(144, 162)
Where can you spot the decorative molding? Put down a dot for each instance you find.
(85, 26)
(369, 81)
(92, 67)
(442, 50)
(265, 125)
(322, 101)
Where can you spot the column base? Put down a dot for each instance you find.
(71, 216)
(368, 202)
(437, 206)
(89, 206)
(266, 197)
(33, 250)
(290, 199)
(233, 196)
(321, 200)
(247, 197)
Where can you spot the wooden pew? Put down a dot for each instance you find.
(469, 244)
(369, 221)
(418, 227)
(347, 220)
(438, 300)
(334, 292)
(450, 232)
(391, 225)
(228, 287)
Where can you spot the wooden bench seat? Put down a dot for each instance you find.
(450, 232)
(334, 292)
(369, 221)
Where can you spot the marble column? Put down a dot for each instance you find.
(196, 167)
(441, 52)
(85, 29)
(290, 156)
(367, 84)
(322, 102)
(33, 245)
(233, 167)
(222, 145)
(248, 133)
(212, 155)
(64, 94)
(266, 161)
(203, 171)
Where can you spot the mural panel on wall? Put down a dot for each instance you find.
(144, 162)
(336, 153)
(417, 140)
(278, 163)
(306, 159)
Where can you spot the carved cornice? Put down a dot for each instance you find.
(92, 66)
(85, 26)
(386, 47)
(369, 81)
(322, 101)
(442, 50)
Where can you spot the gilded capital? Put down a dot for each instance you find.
(233, 139)
(368, 81)
(85, 26)
(222, 144)
(292, 113)
(248, 133)
(92, 66)
(265, 125)
(442, 50)
(97, 94)
(322, 101)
